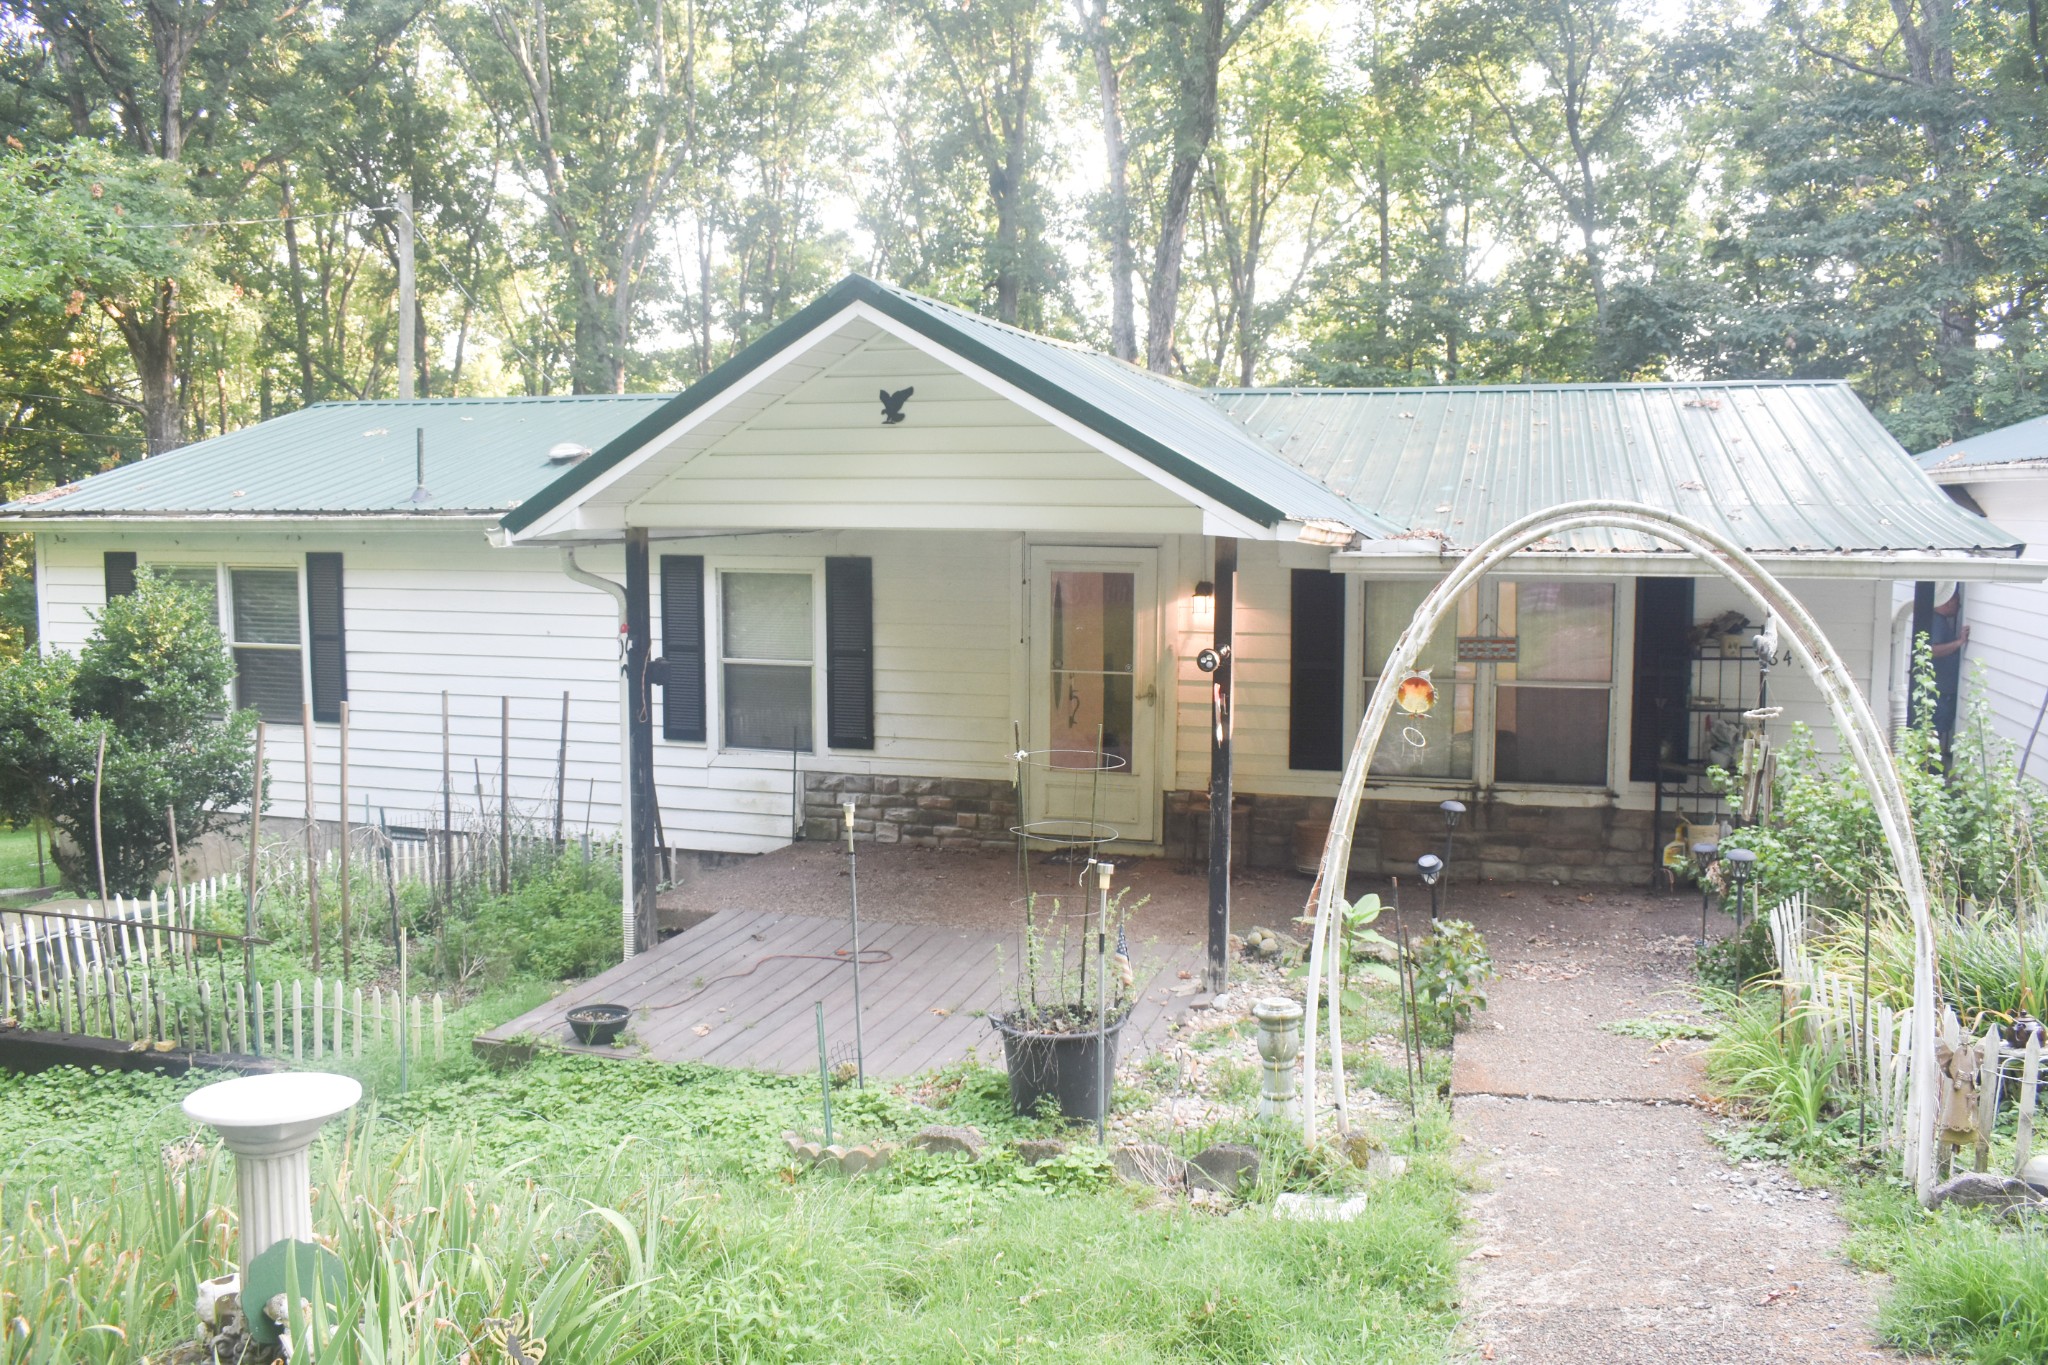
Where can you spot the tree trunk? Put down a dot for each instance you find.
(1123, 305)
(299, 324)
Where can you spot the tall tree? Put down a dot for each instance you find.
(587, 94)
(987, 55)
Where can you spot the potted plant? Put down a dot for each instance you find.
(1060, 1037)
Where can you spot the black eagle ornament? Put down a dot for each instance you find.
(892, 405)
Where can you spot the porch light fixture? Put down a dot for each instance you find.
(1205, 604)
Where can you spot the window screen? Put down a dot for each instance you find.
(1550, 706)
(265, 621)
(768, 642)
(203, 579)
(1440, 743)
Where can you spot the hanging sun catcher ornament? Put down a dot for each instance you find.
(1416, 697)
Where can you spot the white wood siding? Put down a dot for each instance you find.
(1849, 610)
(963, 456)
(432, 610)
(2006, 661)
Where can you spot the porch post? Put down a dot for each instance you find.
(1219, 767)
(639, 856)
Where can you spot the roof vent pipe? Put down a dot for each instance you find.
(419, 462)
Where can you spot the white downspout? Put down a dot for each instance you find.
(1902, 669)
(626, 926)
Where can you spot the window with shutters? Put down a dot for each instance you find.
(263, 632)
(767, 659)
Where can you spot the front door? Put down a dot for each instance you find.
(1094, 704)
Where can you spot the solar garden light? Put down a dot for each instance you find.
(860, 1057)
(1279, 1044)
(1704, 854)
(1432, 869)
(1454, 811)
(1741, 863)
(1103, 872)
(268, 1122)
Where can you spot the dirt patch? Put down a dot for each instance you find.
(1609, 1228)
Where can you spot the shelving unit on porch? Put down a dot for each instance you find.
(1720, 686)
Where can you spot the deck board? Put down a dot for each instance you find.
(731, 975)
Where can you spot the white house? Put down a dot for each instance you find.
(2003, 475)
(892, 544)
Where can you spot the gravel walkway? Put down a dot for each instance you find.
(1609, 1229)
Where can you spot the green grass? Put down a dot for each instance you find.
(18, 860)
(641, 1211)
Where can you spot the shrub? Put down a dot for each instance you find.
(152, 681)
(1452, 968)
(560, 922)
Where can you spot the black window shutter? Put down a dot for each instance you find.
(327, 638)
(1315, 709)
(849, 653)
(682, 647)
(120, 568)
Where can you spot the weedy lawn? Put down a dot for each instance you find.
(634, 1211)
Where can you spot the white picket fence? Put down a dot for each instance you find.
(145, 973)
(1874, 1042)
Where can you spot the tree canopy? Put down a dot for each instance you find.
(199, 221)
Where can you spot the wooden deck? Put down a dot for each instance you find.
(740, 990)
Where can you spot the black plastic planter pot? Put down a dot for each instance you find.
(598, 1025)
(1062, 1065)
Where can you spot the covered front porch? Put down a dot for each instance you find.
(752, 948)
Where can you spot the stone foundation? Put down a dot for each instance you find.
(1587, 846)
(924, 812)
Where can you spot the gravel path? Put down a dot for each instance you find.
(1609, 1229)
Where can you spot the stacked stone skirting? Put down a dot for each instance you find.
(1581, 845)
(1599, 846)
(924, 812)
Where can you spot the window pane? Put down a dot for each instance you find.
(267, 681)
(1566, 631)
(266, 607)
(1446, 733)
(1082, 702)
(200, 578)
(767, 706)
(1551, 734)
(1093, 621)
(1391, 605)
(1094, 644)
(768, 616)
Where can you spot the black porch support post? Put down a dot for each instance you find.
(640, 854)
(1219, 767)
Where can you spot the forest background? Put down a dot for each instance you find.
(198, 225)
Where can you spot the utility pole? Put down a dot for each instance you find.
(407, 288)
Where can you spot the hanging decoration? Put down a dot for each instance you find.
(1416, 697)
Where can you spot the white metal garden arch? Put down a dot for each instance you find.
(1854, 722)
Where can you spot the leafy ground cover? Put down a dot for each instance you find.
(633, 1211)
(644, 1212)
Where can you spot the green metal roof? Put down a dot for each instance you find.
(2017, 444)
(483, 455)
(1784, 467)
(1171, 425)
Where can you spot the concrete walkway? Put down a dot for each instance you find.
(1609, 1229)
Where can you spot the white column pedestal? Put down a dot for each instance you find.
(268, 1122)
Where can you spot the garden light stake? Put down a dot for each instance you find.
(860, 1060)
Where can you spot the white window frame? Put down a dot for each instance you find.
(224, 614)
(1619, 687)
(715, 570)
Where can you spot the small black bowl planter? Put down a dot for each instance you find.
(1062, 1065)
(597, 1025)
